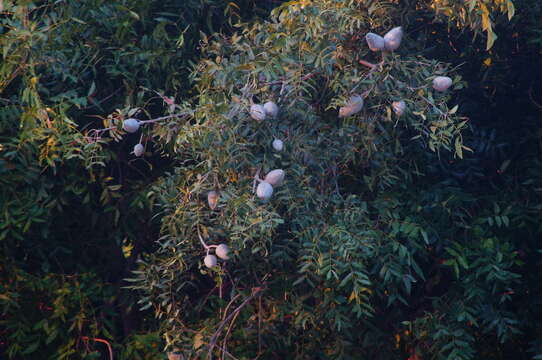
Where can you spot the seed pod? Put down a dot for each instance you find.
(393, 38)
(264, 190)
(212, 199)
(222, 251)
(399, 107)
(139, 150)
(257, 112)
(375, 42)
(275, 177)
(210, 261)
(278, 145)
(442, 83)
(271, 109)
(354, 105)
(130, 125)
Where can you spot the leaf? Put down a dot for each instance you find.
(407, 283)
(454, 109)
(491, 37)
(486, 23)
(511, 9)
(425, 238)
(458, 148)
(30, 349)
(198, 340)
(92, 89)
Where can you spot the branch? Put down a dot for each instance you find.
(256, 180)
(97, 132)
(368, 64)
(281, 81)
(212, 343)
(207, 247)
(86, 339)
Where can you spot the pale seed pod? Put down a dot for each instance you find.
(375, 42)
(222, 251)
(442, 83)
(275, 177)
(264, 190)
(393, 38)
(210, 261)
(130, 125)
(399, 107)
(278, 145)
(257, 112)
(271, 109)
(212, 199)
(139, 150)
(354, 105)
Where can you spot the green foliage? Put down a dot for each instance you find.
(70, 201)
(337, 245)
(479, 16)
(392, 236)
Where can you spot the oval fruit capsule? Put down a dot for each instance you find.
(222, 251)
(264, 190)
(393, 38)
(212, 199)
(375, 42)
(399, 107)
(271, 109)
(130, 125)
(275, 177)
(354, 105)
(278, 145)
(442, 83)
(210, 261)
(139, 150)
(257, 112)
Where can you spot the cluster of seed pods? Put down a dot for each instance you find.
(275, 177)
(221, 250)
(388, 43)
(132, 125)
(391, 42)
(264, 190)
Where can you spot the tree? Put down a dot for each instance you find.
(315, 267)
(72, 205)
(406, 224)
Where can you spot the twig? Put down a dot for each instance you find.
(207, 247)
(212, 343)
(256, 179)
(368, 64)
(435, 106)
(282, 81)
(374, 68)
(230, 355)
(205, 299)
(225, 341)
(229, 304)
(86, 339)
(101, 101)
(142, 122)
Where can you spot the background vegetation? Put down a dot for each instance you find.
(389, 240)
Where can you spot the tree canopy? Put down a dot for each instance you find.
(312, 179)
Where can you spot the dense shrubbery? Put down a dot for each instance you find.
(71, 207)
(392, 237)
